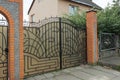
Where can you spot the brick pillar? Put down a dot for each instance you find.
(92, 41)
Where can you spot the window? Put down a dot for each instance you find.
(73, 9)
(32, 18)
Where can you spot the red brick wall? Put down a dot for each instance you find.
(20, 2)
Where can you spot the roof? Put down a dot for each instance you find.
(88, 3)
(84, 2)
(31, 6)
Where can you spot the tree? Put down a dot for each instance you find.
(109, 18)
(78, 19)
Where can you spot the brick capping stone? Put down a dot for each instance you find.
(91, 11)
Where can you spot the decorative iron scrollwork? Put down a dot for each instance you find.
(3, 53)
(55, 44)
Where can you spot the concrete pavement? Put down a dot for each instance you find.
(84, 72)
(112, 61)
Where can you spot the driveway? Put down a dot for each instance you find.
(84, 72)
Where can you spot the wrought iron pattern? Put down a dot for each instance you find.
(73, 44)
(107, 41)
(3, 22)
(3, 53)
(55, 44)
(41, 48)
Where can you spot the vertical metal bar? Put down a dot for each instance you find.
(51, 39)
(69, 35)
(71, 41)
(66, 38)
(64, 52)
(85, 46)
(57, 25)
(2, 50)
(100, 44)
(65, 27)
(8, 50)
(2, 41)
(63, 39)
(66, 35)
(45, 41)
(54, 39)
(60, 43)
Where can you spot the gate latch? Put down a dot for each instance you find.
(6, 50)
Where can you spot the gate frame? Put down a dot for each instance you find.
(11, 55)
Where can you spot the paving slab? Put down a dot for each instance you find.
(84, 72)
(66, 77)
(82, 75)
(99, 77)
(31, 78)
(113, 61)
(98, 73)
(39, 77)
(48, 79)
(49, 75)
(109, 71)
(116, 78)
(56, 73)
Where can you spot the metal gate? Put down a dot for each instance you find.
(3, 53)
(107, 45)
(53, 44)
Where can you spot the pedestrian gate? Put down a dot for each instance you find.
(3, 53)
(53, 44)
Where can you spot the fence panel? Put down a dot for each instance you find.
(107, 45)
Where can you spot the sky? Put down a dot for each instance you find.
(26, 6)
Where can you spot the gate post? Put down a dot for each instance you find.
(92, 40)
(13, 11)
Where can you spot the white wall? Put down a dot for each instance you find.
(44, 8)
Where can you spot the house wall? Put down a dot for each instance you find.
(43, 9)
(63, 7)
(52, 8)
